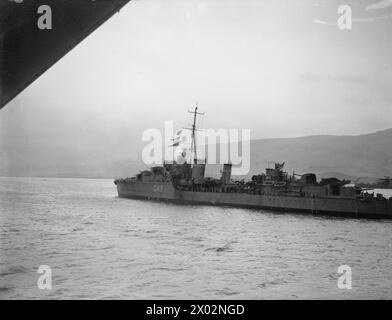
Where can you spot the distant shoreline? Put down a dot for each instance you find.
(51, 177)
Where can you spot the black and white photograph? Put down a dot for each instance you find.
(198, 150)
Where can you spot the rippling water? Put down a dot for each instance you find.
(100, 246)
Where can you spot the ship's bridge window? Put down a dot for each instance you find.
(335, 190)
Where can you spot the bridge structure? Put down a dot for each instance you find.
(27, 50)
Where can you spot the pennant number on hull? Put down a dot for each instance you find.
(158, 188)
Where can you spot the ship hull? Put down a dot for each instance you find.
(334, 206)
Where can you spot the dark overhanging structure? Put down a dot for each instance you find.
(26, 51)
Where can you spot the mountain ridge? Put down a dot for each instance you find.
(363, 157)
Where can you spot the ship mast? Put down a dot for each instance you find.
(193, 144)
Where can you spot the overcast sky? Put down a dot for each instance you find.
(281, 68)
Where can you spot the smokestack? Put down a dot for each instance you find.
(198, 172)
(226, 174)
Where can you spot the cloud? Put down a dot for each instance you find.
(324, 23)
(319, 21)
(372, 19)
(379, 5)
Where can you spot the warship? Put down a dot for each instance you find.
(185, 182)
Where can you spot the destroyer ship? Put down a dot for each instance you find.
(274, 189)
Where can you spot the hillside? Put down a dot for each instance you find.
(366, 157)
(363, 156)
